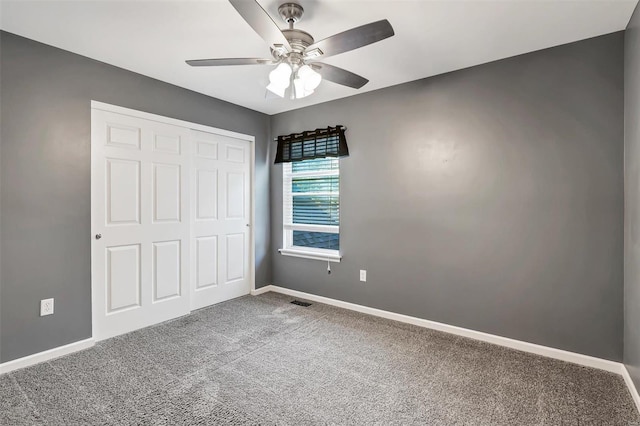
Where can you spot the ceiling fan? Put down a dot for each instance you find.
(296, 53)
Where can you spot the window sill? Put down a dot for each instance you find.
(326, 257)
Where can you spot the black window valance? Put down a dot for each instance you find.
(319, 143)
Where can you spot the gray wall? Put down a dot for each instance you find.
(489, 198)
(632, 199)
(45, 175)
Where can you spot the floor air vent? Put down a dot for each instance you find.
(299, 303)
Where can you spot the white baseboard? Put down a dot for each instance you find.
(580, 359)
(50, 354)
(261, 290)
(631, 386)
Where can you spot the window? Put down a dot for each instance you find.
(311, 207)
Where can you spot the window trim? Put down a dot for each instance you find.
(313, 254)
(289, 249)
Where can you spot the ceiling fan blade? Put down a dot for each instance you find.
(229, 61)
(261, 22)
(353, 38)
(339, 75)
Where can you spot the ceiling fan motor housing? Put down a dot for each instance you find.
(290, 12)
(298, 39)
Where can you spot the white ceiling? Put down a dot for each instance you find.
(432, 37)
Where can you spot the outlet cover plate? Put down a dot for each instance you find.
(363, 275)
(46, 307)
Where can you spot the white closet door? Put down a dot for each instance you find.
(140, 214)
(220, 209)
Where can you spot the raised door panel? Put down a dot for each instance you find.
(235, 154)
(235, 195)
(166, 270)
(123, 277)
(206, 194)
(123, 136)
(206, 149)
(235, 257)
(166, 193)
(123, 192)
(168, 143)
(206, 261)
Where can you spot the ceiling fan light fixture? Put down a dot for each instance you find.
(277, 90)
(279, 79)
(306, 81)
(310, 77)
(300, 90)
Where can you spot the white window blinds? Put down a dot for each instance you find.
(311, 204)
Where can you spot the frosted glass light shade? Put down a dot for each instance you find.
(278, 90)
(311, 78)
(306, 81)
(279, 79)
(301, 91)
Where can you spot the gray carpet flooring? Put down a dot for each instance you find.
(262, 360)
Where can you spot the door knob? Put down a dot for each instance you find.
(98, 236)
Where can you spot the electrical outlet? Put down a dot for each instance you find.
(363, 275)
(46, 307)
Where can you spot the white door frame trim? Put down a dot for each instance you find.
(168, 120)
(194, 126)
